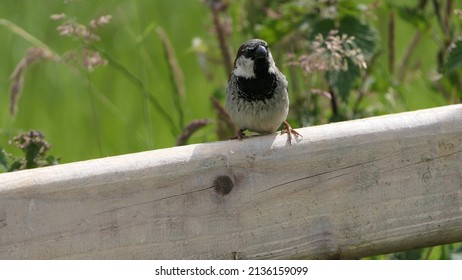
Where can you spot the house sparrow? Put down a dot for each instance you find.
(257, 98)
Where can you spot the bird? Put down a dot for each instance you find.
(256, 95)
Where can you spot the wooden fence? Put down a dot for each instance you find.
(346, 190)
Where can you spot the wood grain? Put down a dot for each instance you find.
(346, 190)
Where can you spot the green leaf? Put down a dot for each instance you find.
(349, 7)
(321, 27)
(454, 60)
(408, 255)
(365, 36)
(16, 165)
(341, 82)
(414, 16)
(51, 160)
(3, 159)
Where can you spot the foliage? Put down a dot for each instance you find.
(454, 61)
(104, 78)
(34, 147)
(442, 252)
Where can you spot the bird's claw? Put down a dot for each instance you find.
(239, 135)
(289, 130)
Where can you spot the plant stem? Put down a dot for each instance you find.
(28, 37)
(391, 43)
(221, 34)
(140, 85)
(176, 74)
(333, 103)
(407, 57)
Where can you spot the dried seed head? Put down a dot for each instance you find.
(330, 53)
(31, 139)
(85, 35)
(102, 20)
(17, 77)
(58, 16)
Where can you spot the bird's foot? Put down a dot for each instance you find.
(239, 135)
(289, 130)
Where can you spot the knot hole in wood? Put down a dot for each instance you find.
(223, 184)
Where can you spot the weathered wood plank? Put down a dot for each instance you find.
(346, 190)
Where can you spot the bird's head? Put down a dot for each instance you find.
(254, 60)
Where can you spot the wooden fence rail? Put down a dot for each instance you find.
(346, 190)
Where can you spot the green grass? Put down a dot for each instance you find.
(102, 113)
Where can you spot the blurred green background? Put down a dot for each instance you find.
(138, 102)
(104, 112)
(101, 113)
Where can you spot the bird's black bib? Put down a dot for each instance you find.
(256, 89)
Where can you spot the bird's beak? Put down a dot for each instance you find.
(261, 52)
